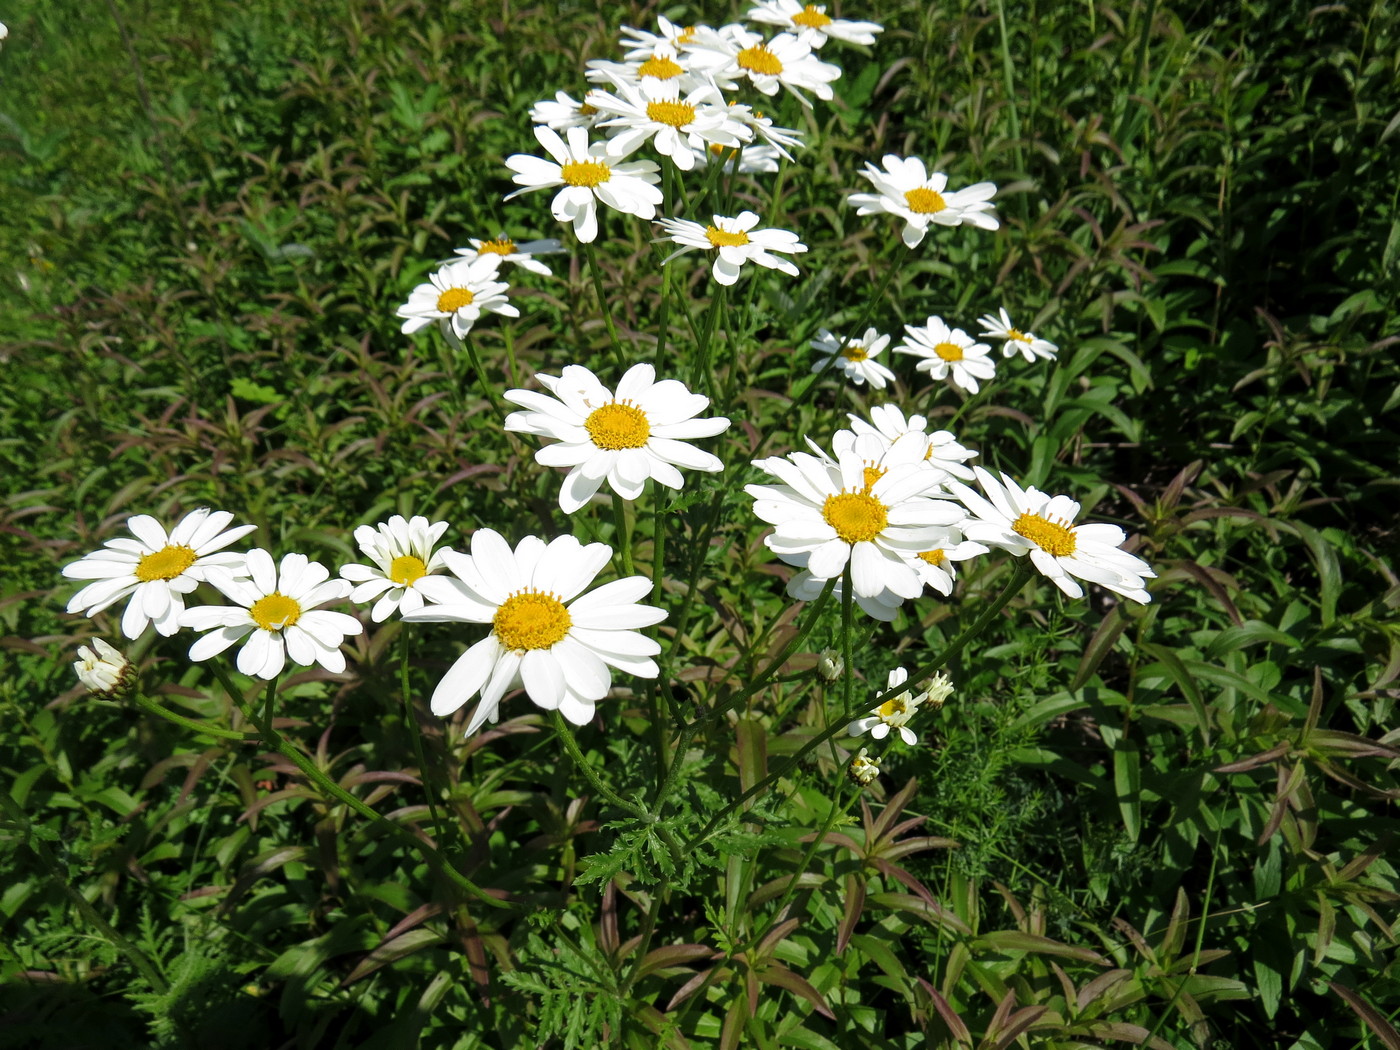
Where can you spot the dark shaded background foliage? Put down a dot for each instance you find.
(211, 211)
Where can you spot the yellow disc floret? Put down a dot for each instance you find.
(676, 114)
(758, 59)
(406, 569)
(949, 351)
(854, 352)
(165, 564)
(857, 517)
(811, 17)
(924, 200)
(452, 300)
(588, 173)
(662, 67)
(1018, 335)
(499, 246)
(275, 611)
(1053, 537)
(530, 620)
(872, 474)
(724, 239)
(896, 710)
(618, 425)
(934, 557)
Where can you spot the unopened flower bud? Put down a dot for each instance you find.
(863, 769)
(830, 665)
(937, 689)
(106, 672)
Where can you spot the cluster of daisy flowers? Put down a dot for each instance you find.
(890, 504)
(549, 630)
(943, 352)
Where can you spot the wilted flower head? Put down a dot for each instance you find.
(894, 713)
(830, 665)
(863, 769)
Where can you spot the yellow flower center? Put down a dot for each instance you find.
(892, 708)
(949, 351)
(586, 110)
(1018, 335)
(687, 35)
(500, 246)
(618, 425)
(531, 620)
(452, 300)
(720, 150)
(872, 474)
(585, 173)
(811, 17)
(406, 569)
(758, 59)
(662, 67)
(724, 239)
(164, 564)
(924, 200)
(857, 517)
(273, 612)
(1053, 537)
(676, 114)
(934, 557)
(854, 352)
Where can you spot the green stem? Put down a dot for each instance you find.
(703, 371)
(660, 712)
(133, 954)
(335, 791)
(809, 621)
(410, 719)
(1018, 580)
(623, 535)
(604, 305)
(151, 707)
(566, 734)
(488, 390)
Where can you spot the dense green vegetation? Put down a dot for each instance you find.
(1168, 825)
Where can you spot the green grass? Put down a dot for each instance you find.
(1174, 825)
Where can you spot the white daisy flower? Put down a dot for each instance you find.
(677, 127)
(761, 159)
(277, 613)
(935, 565)
(564, 112)
(1030, 521)
(863, 769)
(459, 294)
(662, 66)
(105, 671)
(403, 556)
(811, 23)
(521, 254)
(1027, 343)
(785, 61)
(887, 423)
(156, 569)
(804, 587)
(780, 139)
(588, 175)
(845, 510)
(623, 439)
(894, 713)
(948, 353)
(639, 43)
(906, 189)
(855, 357)
(734, 241)
(545, 632)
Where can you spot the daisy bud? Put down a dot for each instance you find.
(937, 689)
(863, 769)
(106, 672)
(830, 665)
